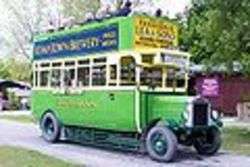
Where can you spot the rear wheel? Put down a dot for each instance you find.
(208, 142)
(161, 144)
(50, 128)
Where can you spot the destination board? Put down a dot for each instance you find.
(80, 43)
(172, 59)
(154, 33)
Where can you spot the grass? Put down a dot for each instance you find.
(13, 157)
(237, 140)
(19, 118)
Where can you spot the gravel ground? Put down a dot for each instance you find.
(28, 136)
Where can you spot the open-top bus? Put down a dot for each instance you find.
(120, 82)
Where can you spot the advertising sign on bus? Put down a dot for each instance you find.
(81, 43)
(154, 33)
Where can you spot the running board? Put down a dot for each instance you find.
(103, 139)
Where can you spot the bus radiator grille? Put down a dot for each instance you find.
(200, 116)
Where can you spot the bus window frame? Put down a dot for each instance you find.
(112, 58)
(87, 64)
(73, 81)
(166, 66)
(173, 87)
(135, 73)
(112, 81)
(39, 68)
(92, 65)
(61, 78)
(105, 75)
(49, 76)
(143, 69)
(176, 67)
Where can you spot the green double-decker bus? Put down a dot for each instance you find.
(120, 83)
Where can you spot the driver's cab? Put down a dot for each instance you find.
(153, 70)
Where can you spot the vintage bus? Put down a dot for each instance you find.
(120, 83)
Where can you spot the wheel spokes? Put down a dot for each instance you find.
(159, 144)
(49, 127)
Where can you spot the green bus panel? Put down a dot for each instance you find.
(162, 106)
(126, 33)
(110, 110)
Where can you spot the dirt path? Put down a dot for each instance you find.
(28, 136)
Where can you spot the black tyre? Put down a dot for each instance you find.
(208, 142)
(50, 128)
(161, 144)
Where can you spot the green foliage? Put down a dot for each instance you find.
(14, 101)
(4, 72)
(15, 70)
(218, 32)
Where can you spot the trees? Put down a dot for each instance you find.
(13, 69)
(20, 27)
(24, 18)
(4, 73)
(78, 8)
(217, 32)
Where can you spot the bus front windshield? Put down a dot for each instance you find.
(162, 77)
(151, 77)
(169, 72)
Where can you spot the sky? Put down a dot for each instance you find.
(172, 7)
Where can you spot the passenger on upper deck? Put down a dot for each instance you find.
(124, 11)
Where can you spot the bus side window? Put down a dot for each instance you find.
(151, 77)
(180, 79)
(56, 78)
(83, 76)
(128, 66)
(113, 75)
(69, 78)
(99, 75)
(170, 78)
(44, 81)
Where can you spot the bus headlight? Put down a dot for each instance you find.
(215, 115)
(186, 114)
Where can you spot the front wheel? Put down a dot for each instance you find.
(50, 128)
(161, 144)
(208, 142)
